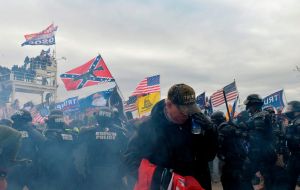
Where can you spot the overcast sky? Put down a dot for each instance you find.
(206, 44)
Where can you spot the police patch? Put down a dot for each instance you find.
(106, 135)
(67, 137)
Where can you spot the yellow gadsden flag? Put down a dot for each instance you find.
(146, 103)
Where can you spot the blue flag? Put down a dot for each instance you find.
(70, 104)
(274, 100)
(208, 107)
(98, 99)
(200, 100)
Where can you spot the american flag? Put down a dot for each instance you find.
(37, 117)
(130, 104)
(148, 85)
(230, 91)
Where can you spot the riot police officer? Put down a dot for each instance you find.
(233, 152)
(104, 147)
(26, 175)
(57, 154)
(293, 140)
(278, 172)
(261, 152)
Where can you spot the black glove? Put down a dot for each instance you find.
(161, 178)
(203, 121)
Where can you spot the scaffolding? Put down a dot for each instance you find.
(42, 82)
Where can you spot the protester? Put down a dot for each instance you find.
(173, 148)
(4, 73)
(10, 140)
(6, 122)
(165, 142)
(26, 174)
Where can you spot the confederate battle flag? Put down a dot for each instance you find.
(91, 73)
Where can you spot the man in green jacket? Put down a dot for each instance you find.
(10, 140)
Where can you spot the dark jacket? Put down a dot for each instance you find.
(172, 146)
(32, 140)
(31, 144)
(57, 161)
(103, 148)
(232, 147)
(293, 136)
(9, 145)
(104, 145)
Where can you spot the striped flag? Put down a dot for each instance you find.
(230, 91)
(37, 117)
(130, 104)
(45, 37)
(148, 85)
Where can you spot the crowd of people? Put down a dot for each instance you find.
(4, 73)
(27, 71)
(23, 74)
(170, 149)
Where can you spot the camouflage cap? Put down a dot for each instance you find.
(184, 97)
(253, 99)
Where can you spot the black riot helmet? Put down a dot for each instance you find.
(292, 110)
(21, 116)
(218, 117)
(104, 116)
(56, 120)
(254, 101)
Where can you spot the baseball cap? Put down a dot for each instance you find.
(184, 97)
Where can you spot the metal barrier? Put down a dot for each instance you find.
(26, 77)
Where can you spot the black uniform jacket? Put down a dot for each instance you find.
(173, 146)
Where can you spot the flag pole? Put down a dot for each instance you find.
(56, 65)
(117, 86)
(137, 106)
(226, 103)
